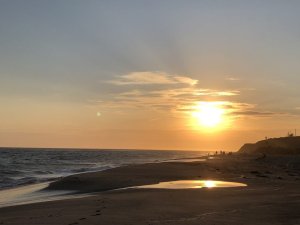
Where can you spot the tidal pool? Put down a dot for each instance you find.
(189, 184)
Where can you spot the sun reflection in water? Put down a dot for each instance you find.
(194, 184)
(209, 183)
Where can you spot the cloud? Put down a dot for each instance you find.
(166, 99)
(185, 80)
(228, 106)
(148, 77)
(232, 109)
(233, 79)
(163, 96)
(176, 96)
(225, 93)
(254, 113)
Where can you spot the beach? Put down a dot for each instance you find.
(270, 197)
(150, 112)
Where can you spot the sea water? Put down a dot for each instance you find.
(22, 166)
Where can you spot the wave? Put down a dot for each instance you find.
(28, 166)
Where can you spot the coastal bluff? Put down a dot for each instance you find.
(273, 146)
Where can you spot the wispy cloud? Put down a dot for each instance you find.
(175, 97)
(163, 95)
(232, 109)
(254, 113)
(148, 77)
(229, 107)
(233, 78)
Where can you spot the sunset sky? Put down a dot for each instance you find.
(191, 75)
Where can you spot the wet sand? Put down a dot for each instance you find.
(271, 197)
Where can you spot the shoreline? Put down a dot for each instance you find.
(29, 194)
(273, 185)
(234, 168)
(11, 177)
(50, 195)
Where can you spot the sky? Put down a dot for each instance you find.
(189, 75)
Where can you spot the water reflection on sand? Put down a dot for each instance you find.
(32, 194)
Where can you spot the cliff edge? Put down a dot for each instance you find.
(273, 146)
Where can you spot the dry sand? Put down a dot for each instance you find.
(271, 197)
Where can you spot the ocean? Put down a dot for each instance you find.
(21, 166)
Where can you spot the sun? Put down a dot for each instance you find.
(208, 114)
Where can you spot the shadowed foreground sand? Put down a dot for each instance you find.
(271, 197)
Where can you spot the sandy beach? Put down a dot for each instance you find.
(138, 112)
(271, 196)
